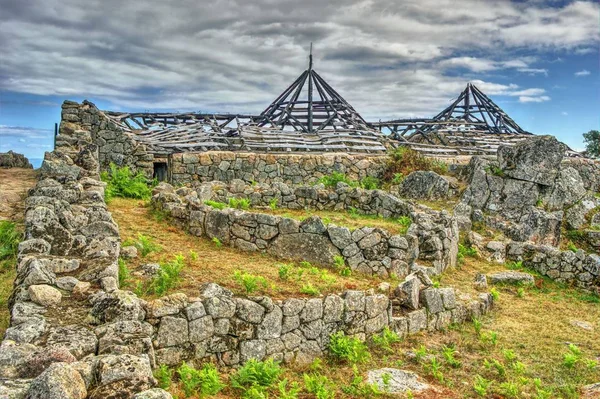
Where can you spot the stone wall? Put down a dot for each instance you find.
(432, 236)
(69, 255)
(230, 330)
(576, 268)
(85, 122)
(270, 168)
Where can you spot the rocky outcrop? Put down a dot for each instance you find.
(12, 159)
(527, 193)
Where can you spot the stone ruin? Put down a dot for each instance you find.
(75, 334)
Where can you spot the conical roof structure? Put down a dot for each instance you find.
(310, 104)
(472, 105)
(311, 116)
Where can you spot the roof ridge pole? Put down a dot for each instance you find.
(310, 91)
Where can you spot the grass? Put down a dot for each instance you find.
(218, 263)
(10, 236)
(351, 219)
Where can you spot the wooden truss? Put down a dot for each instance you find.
(310, 116)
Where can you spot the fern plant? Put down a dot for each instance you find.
(122, 182)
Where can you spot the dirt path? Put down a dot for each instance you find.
(14, 184)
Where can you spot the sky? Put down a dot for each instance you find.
(538, 60)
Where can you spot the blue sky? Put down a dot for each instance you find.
(538, 60)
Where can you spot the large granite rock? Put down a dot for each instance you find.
(395, 381)
(536, 160)
(424, 185)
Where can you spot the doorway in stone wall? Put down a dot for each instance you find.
(160, 171)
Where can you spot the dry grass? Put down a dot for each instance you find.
(347, 219)
(218, 264)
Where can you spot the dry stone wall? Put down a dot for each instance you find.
(231, 330)
(432, 236)
(85, 122)
(577, 268)
(271, 168)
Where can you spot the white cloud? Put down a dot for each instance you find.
(564, 113)
(583, 72)
(387, 58)
(529, 99)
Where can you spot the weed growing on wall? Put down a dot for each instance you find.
(331, 181)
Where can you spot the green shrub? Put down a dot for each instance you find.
(477, 326)
(434, 368)
(168, 276)
(346, 272)
(510, 389)
(205, 382)
(249, 281)
(495, 294)
(239, 203)
(334, 178)
(9, 243)
(397, 178)
(495, 365)
(216, 204)
(124, 273)
(386, 339)
(193, 255)
(481, 385)
(121, 182)
(217, 242)
(359, 388)
(370, 183)
(405, 222)
(164, 376)
(339, 262)
(404, 160)
(495, 170)
(285, 393)
(572, 247)
(449, 352)
(255, 373)
(284, 271)
(144, 244)
(309, 289)
(571, 358)
(420, 353)
(320, 386)
(348, 348)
